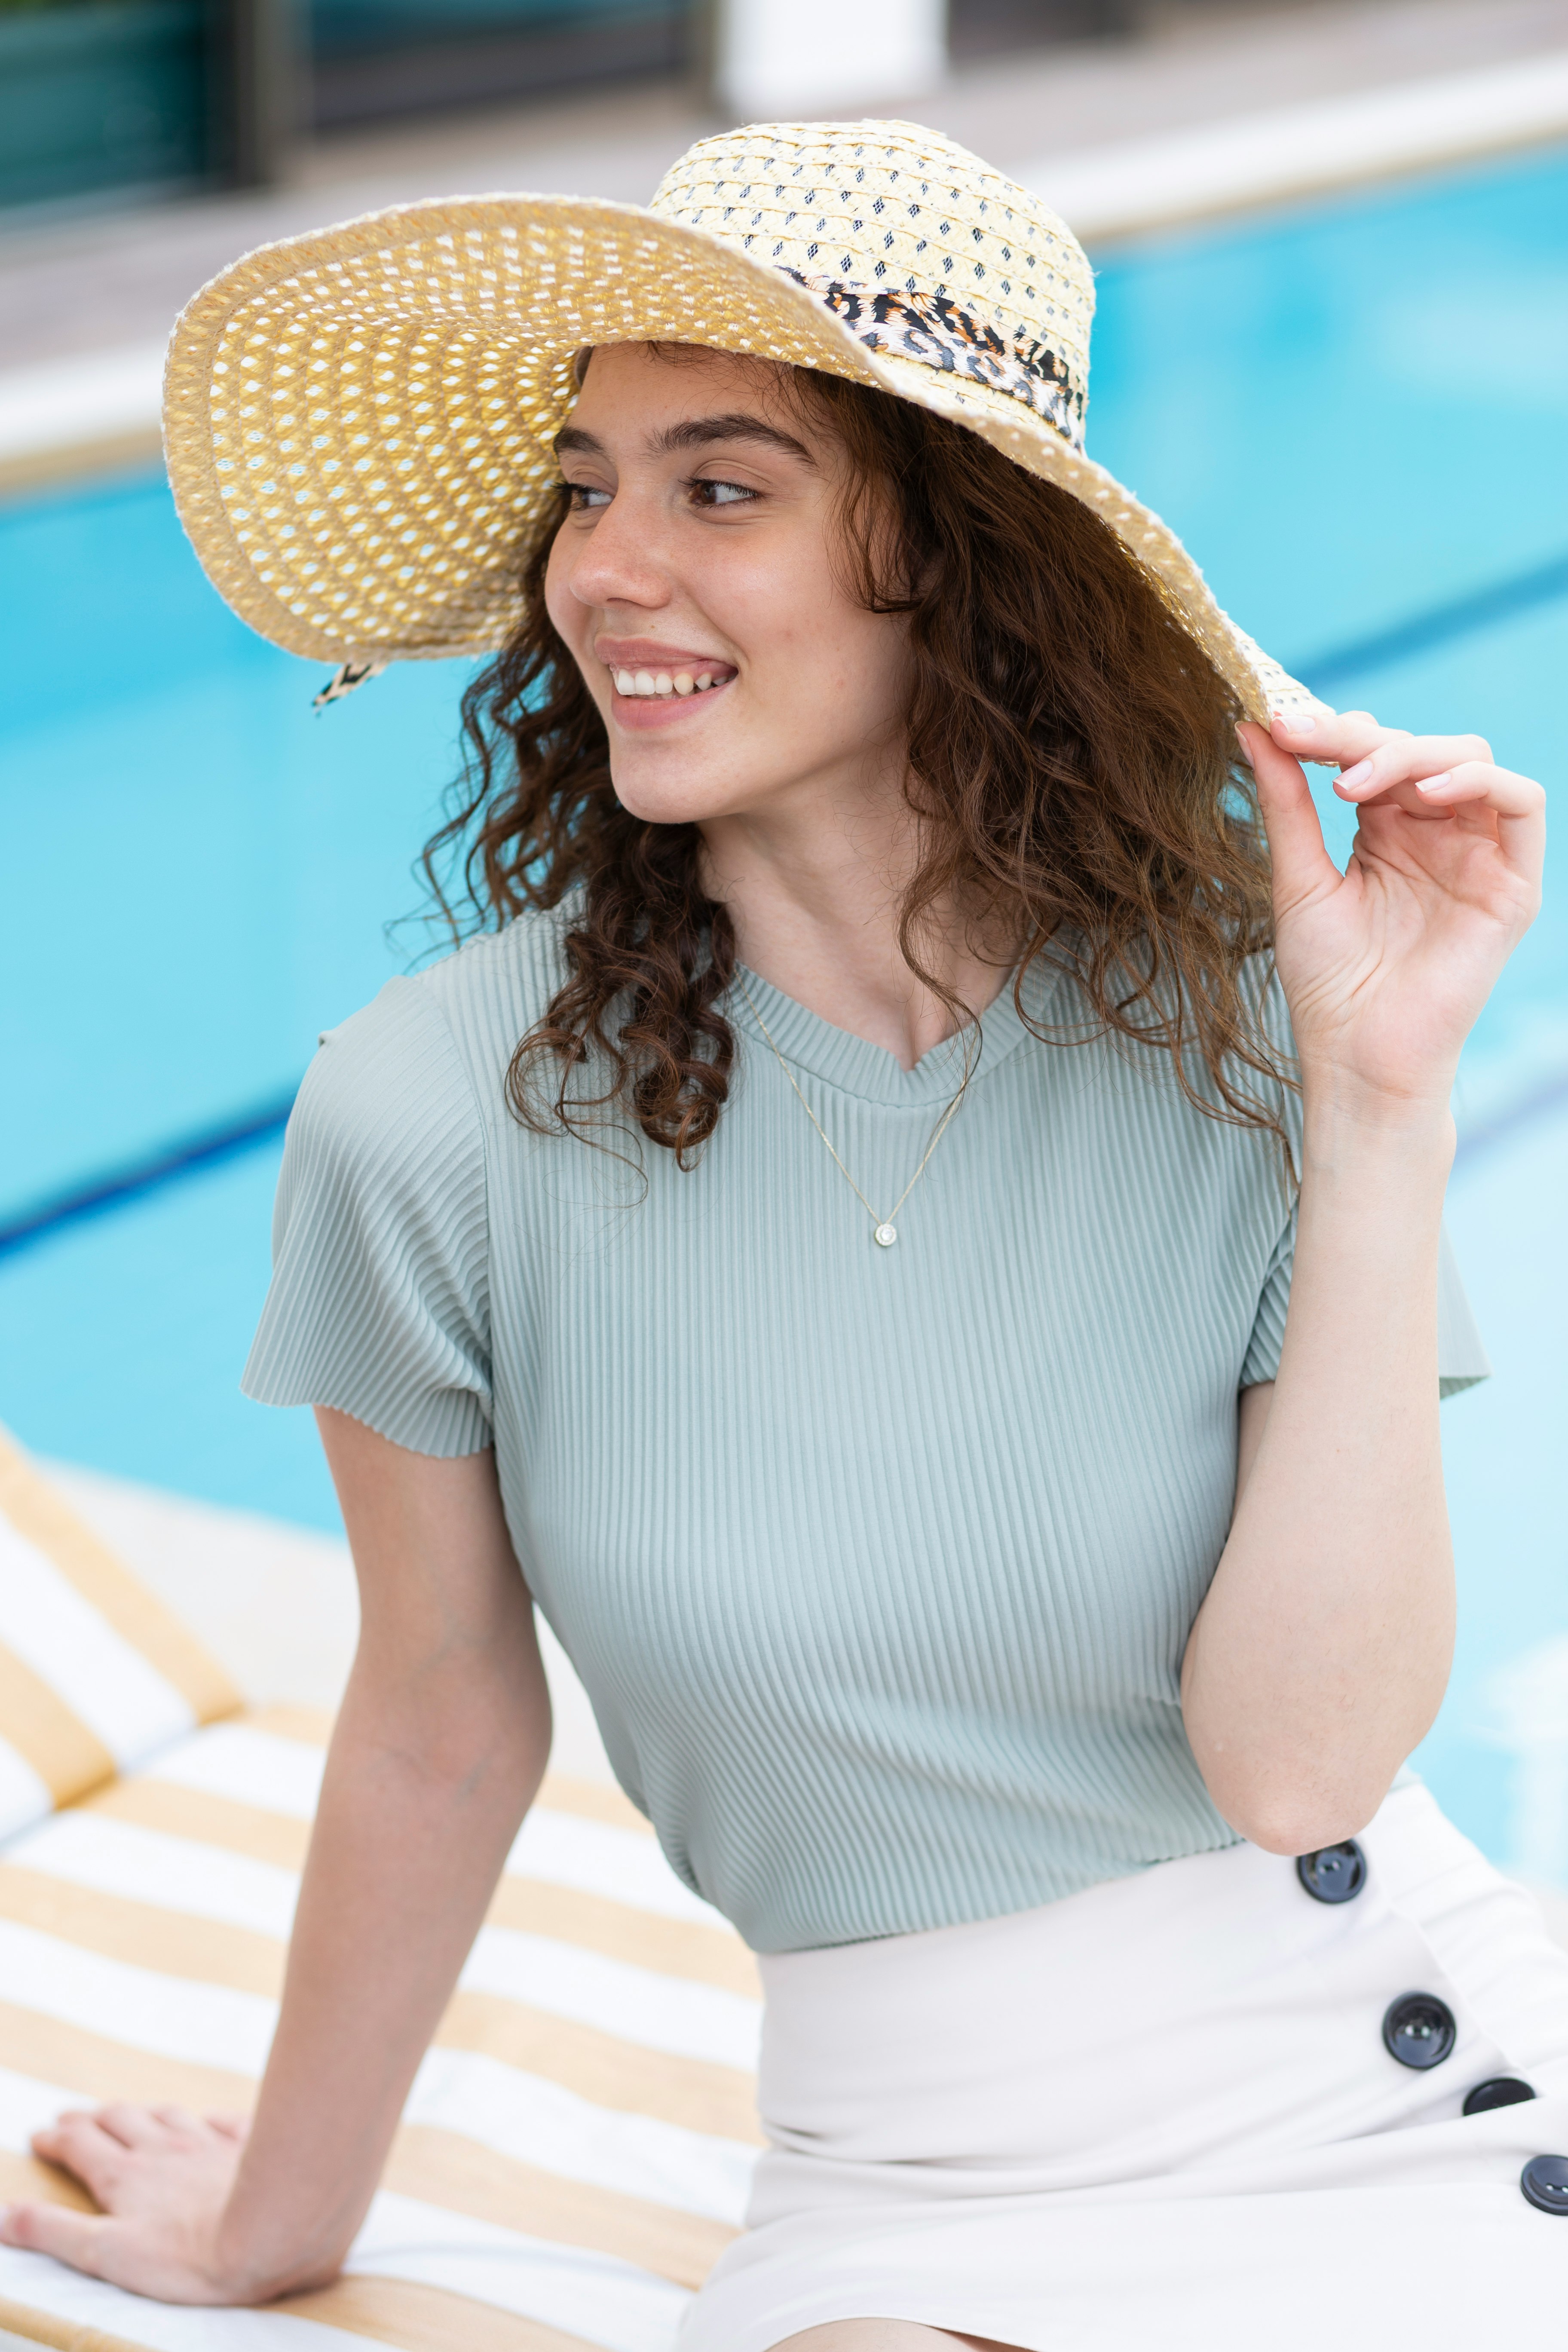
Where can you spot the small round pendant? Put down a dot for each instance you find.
(885, 1236)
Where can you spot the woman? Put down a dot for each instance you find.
(857, 1239)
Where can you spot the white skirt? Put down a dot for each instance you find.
(1161, 2116)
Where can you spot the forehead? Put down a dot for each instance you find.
(625, 381)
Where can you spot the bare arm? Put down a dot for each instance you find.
(1319, 1655)
(441, 1742)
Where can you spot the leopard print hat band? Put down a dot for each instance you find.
(359, 424)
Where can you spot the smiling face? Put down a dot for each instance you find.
(695, 583)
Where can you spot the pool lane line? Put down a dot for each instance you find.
(1440, 625)
(187, 1156)
(1503, 601)
(1550, 1096)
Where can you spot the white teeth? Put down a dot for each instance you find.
(646, 682)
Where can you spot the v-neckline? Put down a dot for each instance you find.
(854, 1065)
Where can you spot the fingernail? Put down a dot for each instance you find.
(1350, 777)
(1308, 726)
(1434, 784)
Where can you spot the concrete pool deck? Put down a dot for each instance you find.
(1203, 115)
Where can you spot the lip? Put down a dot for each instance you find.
(640, 713)
(650, 653)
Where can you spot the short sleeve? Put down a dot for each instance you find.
(1462, 1358)
(379, 1304)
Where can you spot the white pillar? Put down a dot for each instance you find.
(783, 60)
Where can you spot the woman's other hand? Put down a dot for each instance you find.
(1386, 966)
(162, 2178)
(440, 1743)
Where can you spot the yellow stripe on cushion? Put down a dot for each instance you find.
(159, 1936)
(397, 2311)
(445, 2167)
(696, 2094)
(47, 2327)
(23, 2181)
(67, 1757)
(38, 1513)
(312, 1725)
(213, 1821)
(692, 2092)
(96, 2070)
(144, 1935)
(417, 2318)
(593, 1802)
(677, 1948)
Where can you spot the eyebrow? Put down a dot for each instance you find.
(695, 433)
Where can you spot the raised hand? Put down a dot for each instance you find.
(162, 2179)
(1386, 966)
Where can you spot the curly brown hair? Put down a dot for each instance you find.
(1072, 763)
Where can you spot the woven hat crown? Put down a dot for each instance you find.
(360, 423)
(924, 251)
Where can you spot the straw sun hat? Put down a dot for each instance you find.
(359, 422)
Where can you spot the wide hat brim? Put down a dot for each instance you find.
(359, 422)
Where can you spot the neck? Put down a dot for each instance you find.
(814, 890)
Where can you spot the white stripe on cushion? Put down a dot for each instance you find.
(464, 2091)
(593, 2295)
(39, 2285)
(174, 2016)
(250, 1768)
(541, 2123)
(176, 1873)
(662, 2012)
(205, 1882)
(284, 1776)
(516, 2115)
(28, 2105)
(107, 1683)
(596, 1859)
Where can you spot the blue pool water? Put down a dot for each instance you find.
(1356, 415)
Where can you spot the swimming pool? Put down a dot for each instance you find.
(1356, 415)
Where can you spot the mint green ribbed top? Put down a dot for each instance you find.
(878, 1564)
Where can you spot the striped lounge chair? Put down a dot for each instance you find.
(579, 2141)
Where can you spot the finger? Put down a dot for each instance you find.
(132, 2127)
(1331, 738)
(235, 2127)
(1517, 803)
(1406, 759)
(1498, 788)
(73, 2238)
(1302, 866)
(176, 2118)
(80, 2144)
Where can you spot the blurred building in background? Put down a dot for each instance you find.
(105, 99)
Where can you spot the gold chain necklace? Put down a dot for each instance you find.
(884, 1232)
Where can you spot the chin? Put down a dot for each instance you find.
(671, 799)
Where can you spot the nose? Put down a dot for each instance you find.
(621, 560)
